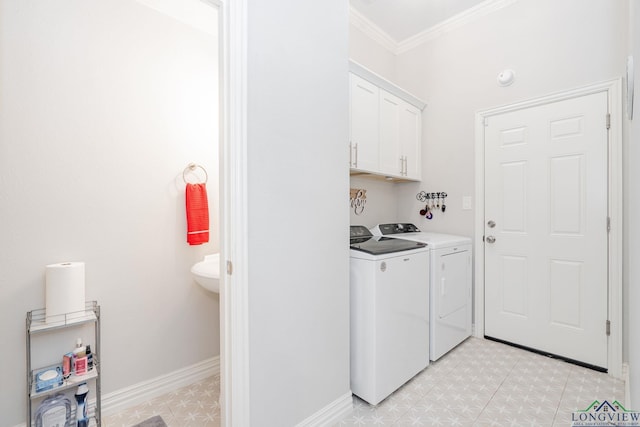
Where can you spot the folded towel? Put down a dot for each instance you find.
(197, 214)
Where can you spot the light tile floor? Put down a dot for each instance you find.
(485, 383)
(480, 383)
(190, 406)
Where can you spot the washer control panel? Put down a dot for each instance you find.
(398, 228)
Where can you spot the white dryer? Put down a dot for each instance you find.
(450, 284)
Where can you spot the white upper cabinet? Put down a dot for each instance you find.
(400, 129)
(364, 137)
(386, 127)
(410, 131)
(391, 161)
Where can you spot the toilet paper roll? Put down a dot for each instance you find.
(64, 293)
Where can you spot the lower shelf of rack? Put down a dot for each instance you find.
(94, 419)
(72, 381)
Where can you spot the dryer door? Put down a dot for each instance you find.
(453, 271)
(450, 299)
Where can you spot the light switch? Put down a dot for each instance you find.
(466, 203)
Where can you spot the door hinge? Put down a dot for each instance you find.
(608, 121)
(229, 268)
(608, 224)
(608, 327)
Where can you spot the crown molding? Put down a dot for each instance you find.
(377, 34)
(483, 9)
(371, 30)
(381, 82)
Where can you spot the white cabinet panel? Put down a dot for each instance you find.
(391, 161)
(364, 116)
(411, 140)
(400, 136)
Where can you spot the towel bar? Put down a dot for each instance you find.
(191, 167)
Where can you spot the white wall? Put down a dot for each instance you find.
(371, 54)
(297, 186)
(456, 75)
(102, 105)
(632, 216)
(551, 45)
(377, 208)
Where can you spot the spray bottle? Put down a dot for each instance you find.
(82, 419)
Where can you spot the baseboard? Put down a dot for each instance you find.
(134, 395)
(627, 388)
(138, 393)
(330, 414)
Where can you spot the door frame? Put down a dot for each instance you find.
(613, 88)
(234, 298)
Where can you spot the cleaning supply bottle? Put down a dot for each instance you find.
(54, 411)
(82, 418)
(89, 358)
(80, 350)
(79, 358)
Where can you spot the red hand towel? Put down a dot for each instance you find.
(197, 214)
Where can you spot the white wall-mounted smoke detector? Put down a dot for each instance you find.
(506, 77)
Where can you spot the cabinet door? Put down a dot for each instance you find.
(364, 137)
(390, 150)
(410, 140)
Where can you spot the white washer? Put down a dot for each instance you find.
(389, 299)
(450, 284)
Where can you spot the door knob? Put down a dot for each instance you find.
(491, 223)
(490, 239)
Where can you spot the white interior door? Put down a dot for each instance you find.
(546, 228)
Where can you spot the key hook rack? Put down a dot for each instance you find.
(434, 201)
